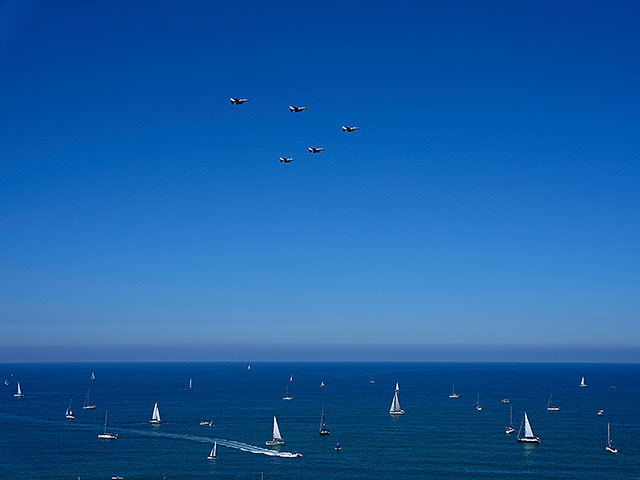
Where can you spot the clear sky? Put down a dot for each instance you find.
(490, 198)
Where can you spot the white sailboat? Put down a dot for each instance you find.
(291, 379)
(93, 376)
(528, 436)
(582, 384)
(610, 448)
(277, 436)
(155, 416)
(87, 404)
(478, 406)
(18, 392)
(453, 391)
(286, 394)
(207, 423)
(212, 454)
(509, 430)
(191, 383)
(550, 406)
(69, 413)
(248, 367)
(323, 426)
(322, 384)
(395, 403)
(105, 435)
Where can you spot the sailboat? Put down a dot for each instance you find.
(248, 367)
(323, 426)
(610, 447)
(212, 454)
(69, 413)
(509, 430)
(550, 406)
(105, 435)
(87, 404)
(322, 384)
(372, 381)
(18, 392)
(286, 394)
(395, 403)
(277, 437)
(6, 382)
(582, 384)
(191, 383)
(93, 376)
(207, 423)
(478, 406)
(155, 416)
(291, 379)
(453, 391)
(528, 437)
(338, 447)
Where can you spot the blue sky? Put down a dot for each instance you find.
(490, 196)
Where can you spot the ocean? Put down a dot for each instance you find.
(438, 438)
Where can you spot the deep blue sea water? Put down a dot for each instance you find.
(438, 438)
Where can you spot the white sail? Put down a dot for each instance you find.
(276, 430)
(528, 432)
(395, 403)
(155, 417)
(19, 392)
(582, 384)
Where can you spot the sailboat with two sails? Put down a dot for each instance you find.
(277, 436)
(395, 403)
(528, 436)
(155, 416)
(69, 413)
(212, 455)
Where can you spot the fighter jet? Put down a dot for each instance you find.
(286, 160)
(350, 129)
(238, 101)
(315, 149)
(296, 109)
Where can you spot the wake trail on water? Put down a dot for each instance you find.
(245, 447)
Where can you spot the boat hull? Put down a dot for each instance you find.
(154, 422)
(529, 440)
(553, 409)
(396, 412)
(107, 436)
(272, 443)
(611, 449)
(324, 432)
(509, 430)
(89, 407)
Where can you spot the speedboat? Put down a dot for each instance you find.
(505, 400)
(601, 413)
(206, 423)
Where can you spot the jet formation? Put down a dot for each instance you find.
(294, 109)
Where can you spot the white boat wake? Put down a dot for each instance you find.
(245, 447)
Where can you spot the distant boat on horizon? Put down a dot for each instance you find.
(291, 379)
(323, 426)
(212, 454)
(372, 381)
(93, 376)
(509, 430)
(155, 416)
(453, 391)
(528, 436)
(87, 405)
(322, 384)
(69, 413)
(582, 384)
(395, 403)
(610, 447)
(248, 367)
(277, 436)
(18, 392)
(550, 406)
(478, 406)
(191, 383)
(105, 435)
